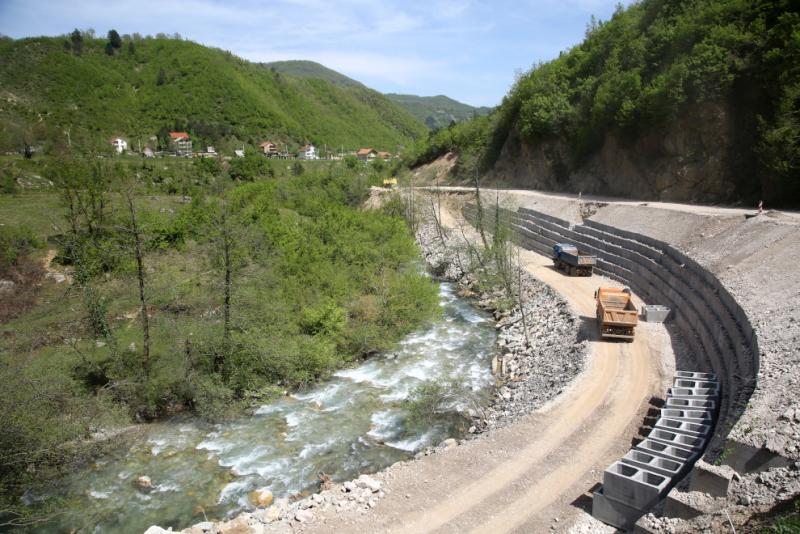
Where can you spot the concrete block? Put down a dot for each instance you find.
(698, 430)
(693, 416)
(656, 464)
(694, 384)
(715, 480)
(613, 512)
(696, 375)
(690, 404)
(670, 452)
(679, 440)
(655, 313)
(633, 486)
(693, 393)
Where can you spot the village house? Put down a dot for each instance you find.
(307, 152)
(181, 144)
(367, 154)
(385, 155)
(119, 144)
(269, 148)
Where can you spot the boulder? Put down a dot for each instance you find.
(143, 483)
(367, 482)
(237, 525)
(156, 530)
(261, 497)
(349, 486)
(449, 443)
(303, 516)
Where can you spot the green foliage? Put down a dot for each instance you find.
(162, 83)
(789, 523)
(655, 62)
(250, 167)
(15, 241)
(437, 111)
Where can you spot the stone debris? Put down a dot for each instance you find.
(531, 369)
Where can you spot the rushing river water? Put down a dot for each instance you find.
(350, 424)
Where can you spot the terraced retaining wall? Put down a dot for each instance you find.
(713, 326)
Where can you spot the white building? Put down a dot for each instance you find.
(119, 144)
(307, 152)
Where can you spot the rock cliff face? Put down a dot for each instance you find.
(694, 159)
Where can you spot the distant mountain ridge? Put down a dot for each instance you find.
(433, 111)
(437, 111)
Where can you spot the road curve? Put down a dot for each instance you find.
(518, 478)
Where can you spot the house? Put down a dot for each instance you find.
(210, 152)
(367, 154)
(307, 152)
(119, 144)
(181, 143)
(385, 155)
(269, 148)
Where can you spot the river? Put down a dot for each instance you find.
(350, 424)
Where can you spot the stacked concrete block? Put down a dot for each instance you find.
(712, 324)
(655, 313)
(646, 473)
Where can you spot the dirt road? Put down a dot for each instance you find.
(522, 477)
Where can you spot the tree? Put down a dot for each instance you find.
(77, 41)
(131, 48)
(114, 39)
(109, 49)
(136, 238)
(162, 77)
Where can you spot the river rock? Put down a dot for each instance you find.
(303, 516)
(367, 482)
(261, 497)
(157, 530)
(237, 525)
(449, 443)
(349, 486)
(143, 483)
(270, 514)
(200, 528)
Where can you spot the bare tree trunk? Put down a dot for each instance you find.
(226, 255)
(137, 242)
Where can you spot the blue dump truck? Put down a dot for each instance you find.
(572, 261)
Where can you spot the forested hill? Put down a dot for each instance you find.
(691, 100)
(93, 90)
(437, 111)
(311, 69)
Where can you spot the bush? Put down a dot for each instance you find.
(15, 241)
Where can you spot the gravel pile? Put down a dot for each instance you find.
(530, 369)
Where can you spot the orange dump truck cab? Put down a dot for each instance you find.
(617, 315)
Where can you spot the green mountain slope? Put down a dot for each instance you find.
(311, 69)
(693, 100)
(157, 84)
(437, 111)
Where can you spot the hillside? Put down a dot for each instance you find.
(437, 111)
(311, 69)
(152, 85)
(687, 101)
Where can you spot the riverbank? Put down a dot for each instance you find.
(531, 368)
(528, 373)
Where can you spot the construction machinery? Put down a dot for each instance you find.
(617, 315)
(390, 182)
(573, 261)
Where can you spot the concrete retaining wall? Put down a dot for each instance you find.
(710, 322)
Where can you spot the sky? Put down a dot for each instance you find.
(467, 50)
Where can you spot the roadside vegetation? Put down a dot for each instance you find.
(652, 63)
(250, 281)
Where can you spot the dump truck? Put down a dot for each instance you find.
(616, 313)
(573, 261)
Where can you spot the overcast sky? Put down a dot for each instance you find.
(464, 49)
